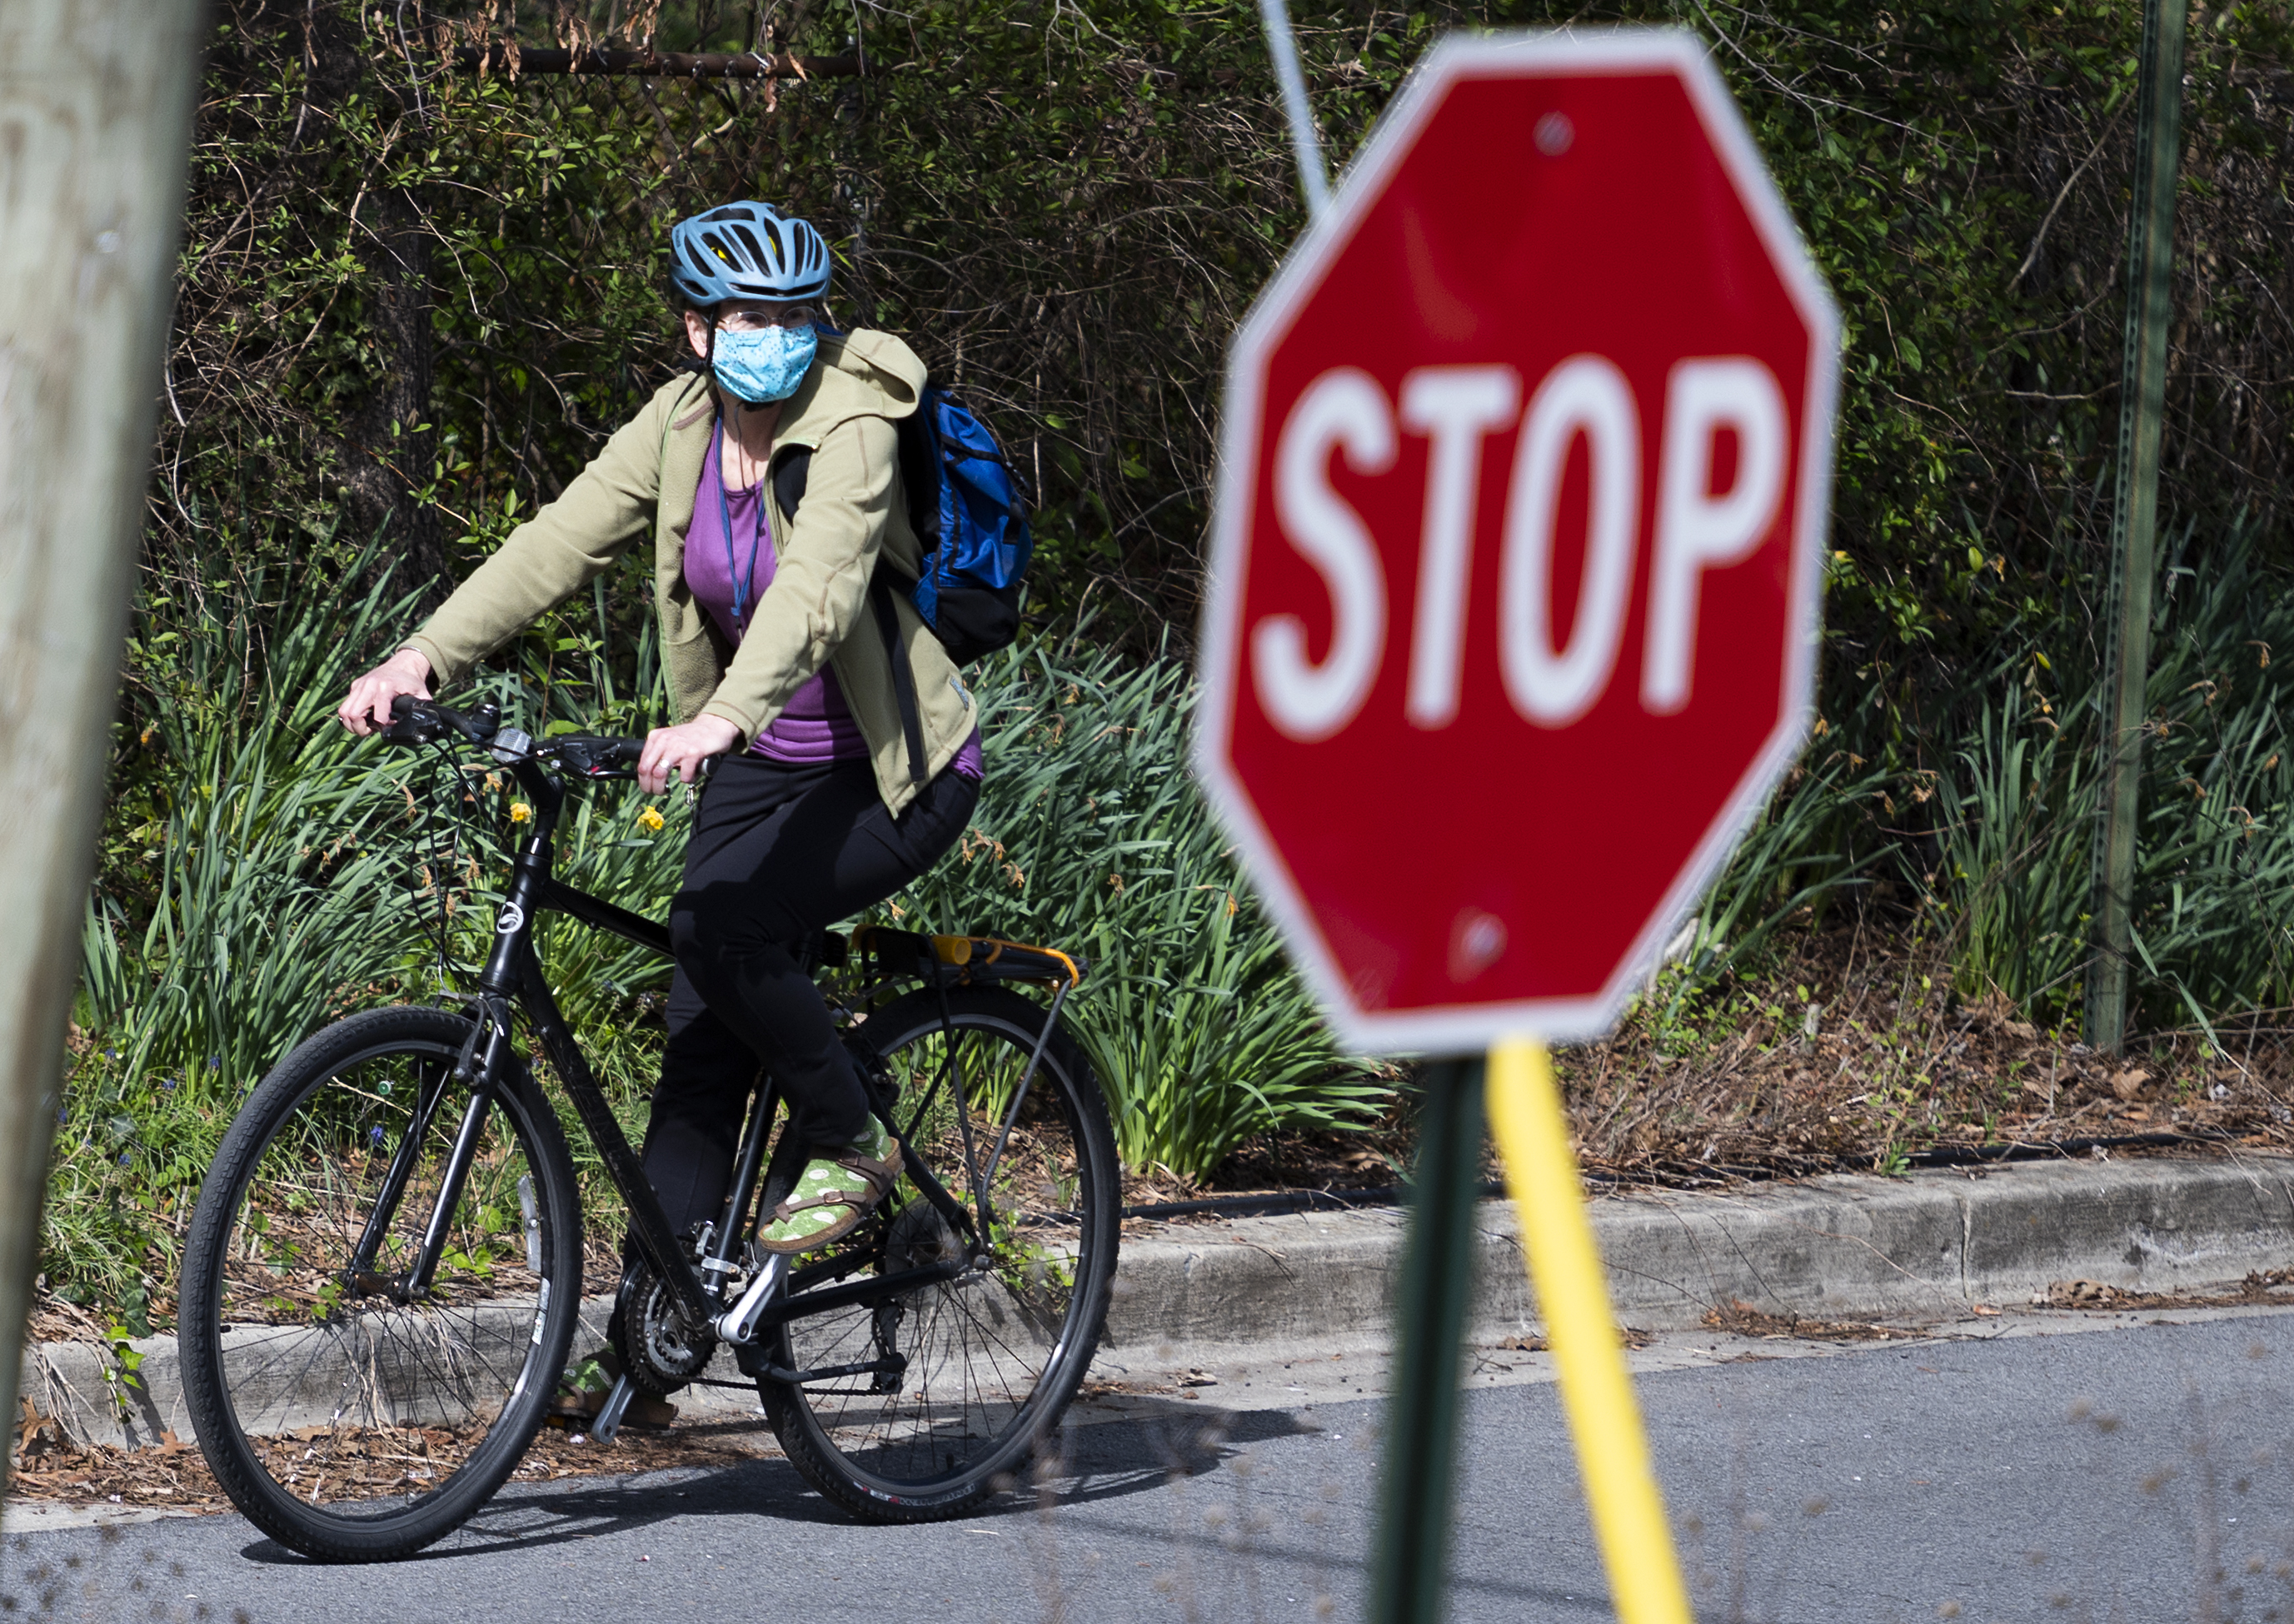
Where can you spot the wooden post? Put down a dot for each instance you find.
(95, 111)
(2141, 413)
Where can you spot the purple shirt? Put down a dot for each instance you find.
(816, 724)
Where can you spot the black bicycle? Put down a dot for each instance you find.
(384, 1275)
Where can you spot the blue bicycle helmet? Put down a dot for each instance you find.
(746, 251)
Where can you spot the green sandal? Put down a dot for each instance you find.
(833, 1194)
(582, 1390)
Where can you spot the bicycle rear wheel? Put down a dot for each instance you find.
(972, 1374)
(348, 1414)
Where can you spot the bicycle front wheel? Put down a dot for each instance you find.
(352, 1409)
(964, 1379)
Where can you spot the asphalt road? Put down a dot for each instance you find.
(2137, 1471)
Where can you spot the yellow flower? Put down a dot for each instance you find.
(519, 812)
(649, 821)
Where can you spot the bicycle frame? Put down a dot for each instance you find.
(513, 972)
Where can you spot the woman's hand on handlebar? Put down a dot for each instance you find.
(678, 753)
(367, 708)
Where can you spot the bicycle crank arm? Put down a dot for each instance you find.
(738, 1325)
(608, 1424)
(755, 1312)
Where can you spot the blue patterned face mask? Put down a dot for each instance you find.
(764, 365)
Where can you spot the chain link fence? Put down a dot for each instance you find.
(425, 271)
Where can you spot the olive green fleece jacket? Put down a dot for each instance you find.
(815, 610)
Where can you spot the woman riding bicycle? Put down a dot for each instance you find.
(775, 662)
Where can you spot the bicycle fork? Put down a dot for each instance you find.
(481, 1072)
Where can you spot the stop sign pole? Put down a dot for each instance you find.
(1509, 634)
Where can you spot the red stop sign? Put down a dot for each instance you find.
(1512, 615)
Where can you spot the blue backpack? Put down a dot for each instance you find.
(967, 509)
(965, 506)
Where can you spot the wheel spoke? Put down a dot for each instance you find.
(338, 1410)
(982, 1383)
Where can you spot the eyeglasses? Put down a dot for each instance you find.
(756, 320)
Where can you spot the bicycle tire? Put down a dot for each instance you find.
(897, 1456)
(301, 1375)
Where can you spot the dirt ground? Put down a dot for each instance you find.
(1849, 1054)
(48, 1466)
(1855, 1054)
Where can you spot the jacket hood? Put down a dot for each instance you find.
(876, 361)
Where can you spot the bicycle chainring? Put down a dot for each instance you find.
(659, 1347)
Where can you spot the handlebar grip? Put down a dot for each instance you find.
(595, 756)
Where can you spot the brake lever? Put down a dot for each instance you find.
(594, 758)
(414, 721)
(424, 721)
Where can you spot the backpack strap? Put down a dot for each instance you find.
(920, 456)
(904, 676)
(790, 472)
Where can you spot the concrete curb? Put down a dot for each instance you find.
(66, 1380)
(1919, 1248)
(1851, 1246)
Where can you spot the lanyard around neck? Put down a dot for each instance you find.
(741, 579)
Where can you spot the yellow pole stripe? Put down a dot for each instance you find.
(1596, 1391)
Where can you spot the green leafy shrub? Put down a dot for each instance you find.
(291, 874)
(285, 874)
(1091, 836)
(2215, 860)
(1995, 834)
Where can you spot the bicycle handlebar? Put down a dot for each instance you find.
(423, 721)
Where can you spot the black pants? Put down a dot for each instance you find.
(777, 853)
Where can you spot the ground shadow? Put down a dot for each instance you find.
(1099, 1459)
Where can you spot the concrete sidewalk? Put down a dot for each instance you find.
(1923, 1248)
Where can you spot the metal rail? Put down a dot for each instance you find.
(507, 56)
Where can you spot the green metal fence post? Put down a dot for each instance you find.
(2142, 404)
(1421, 1427)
